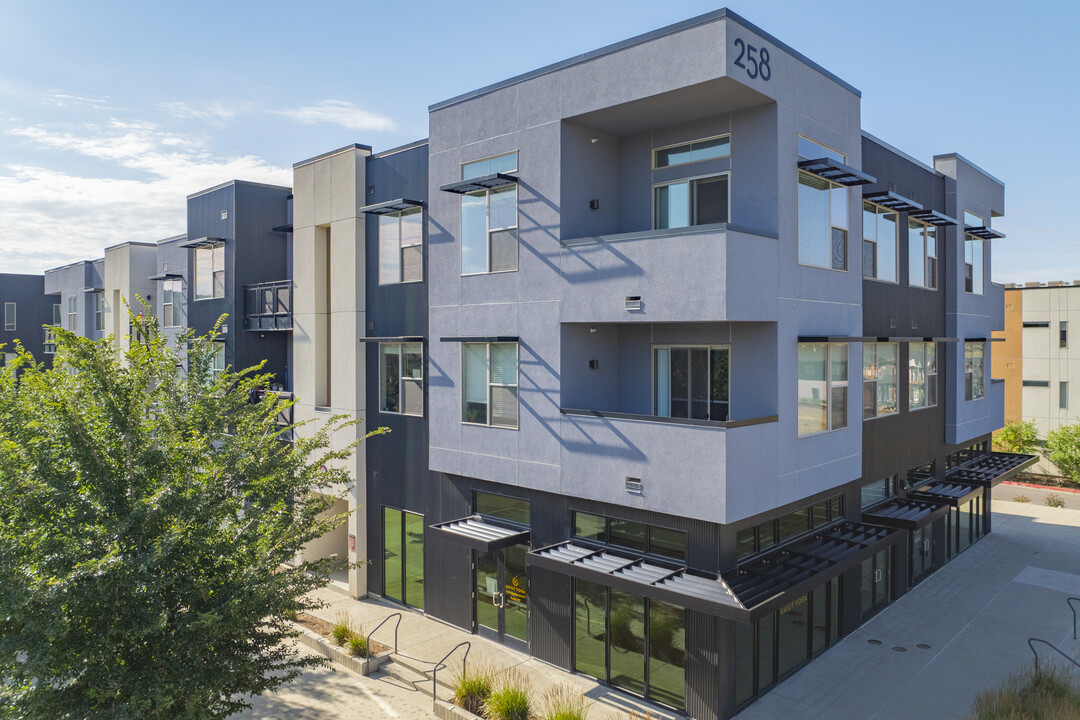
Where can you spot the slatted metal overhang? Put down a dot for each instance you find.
(283, 228)
(166, 276)
(984, 233)
(391, 206)
(647, 578)
(393, 338)
(202, 242)
(480, 533)
(933, 217)
(948, 492)
(480, 338)
(484, 182)
(905, 513)
(776, 578)
(989, 470)
(893, 201)
(837, 172)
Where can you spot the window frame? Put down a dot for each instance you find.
(72, 313)
(10, 326)
(880, 210)
(486, 194)
(926, 231)
(847, 230)
(401, 378)
(690, 144)
(489, 352)
(974, 242)
(169, 296)
(656, 378)
(925, 384)
(877, 381)
(400, 246)
(200, 252)
(1063, 334)
(99, 311)
(969, 385)
(691, 209)
(831, 347)
(48, 340)
(219, 351)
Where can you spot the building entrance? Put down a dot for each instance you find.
(502, 596)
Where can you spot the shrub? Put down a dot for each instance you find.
(1063, 445)
(1017, 437)
(1050, 694)
(1054, 500)
(358, 644)
(1021, 499)
(564, 703)
(343, 629)
(509, 700)
(472, 688)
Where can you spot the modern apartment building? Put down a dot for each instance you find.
(616, 312)
(78, 295)
(27, 312)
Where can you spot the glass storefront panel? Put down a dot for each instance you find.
(590, 629)
(819, 637)
(487, 585)
(590, 527)
(627, 534)
(667, 653)
(964, 526)
(766, 637)
(744, 663)
(500, 506)
(414, 560)
(392, 554)
(792, 635)
(627, 630)
(834, 609)
(515, 605)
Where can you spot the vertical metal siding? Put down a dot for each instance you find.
(551, 612)
(704, 681)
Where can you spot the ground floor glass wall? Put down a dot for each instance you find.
(634, 643)
(403, 556)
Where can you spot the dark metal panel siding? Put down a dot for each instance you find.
(705, 684)
(551, 613)
(33, 308)
(448, 567)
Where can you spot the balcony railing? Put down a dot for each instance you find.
(285, 413)
(268, 306)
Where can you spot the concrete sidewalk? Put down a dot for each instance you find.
(975, 614)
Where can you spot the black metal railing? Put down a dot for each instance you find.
(1031, 644)
(442, 664)
(384, 621)
(268, 306)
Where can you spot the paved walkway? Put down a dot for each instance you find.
(975, 614)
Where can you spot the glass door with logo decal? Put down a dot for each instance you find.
(502, 604)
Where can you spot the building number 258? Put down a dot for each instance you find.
(759, 66)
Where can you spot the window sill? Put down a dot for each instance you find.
(218, 297)
(922, 287)
(323, 409)
(922, 407)
(411, 282)
(819, 267)
(820, 433)
(401, 414)
(884, 415)
(874, 279)
(492, 272)
(669, 420)
(485, 425)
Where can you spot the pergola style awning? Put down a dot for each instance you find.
(932, 217)
(166, 276)
(202, 242)
(480, 533)
(484, 182)
(953, 494)
(391, 206)
(889, 199)
(837, 172)
(905, 513)
(989, 470)
(984, 233)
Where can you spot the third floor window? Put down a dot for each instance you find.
(489, 220)
(401, 247)
(692, 382)
(210, 271)
(695, 201)
(922, 255)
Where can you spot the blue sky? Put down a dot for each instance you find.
(112, 113)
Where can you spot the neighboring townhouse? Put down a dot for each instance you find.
(28, 311)
(127, 289)
(619, 308)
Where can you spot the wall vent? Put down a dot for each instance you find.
(634, 486)
(224, 214)
(633, 303)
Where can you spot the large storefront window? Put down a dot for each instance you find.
(632, 642)
(403, 557)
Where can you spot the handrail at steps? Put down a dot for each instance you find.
(1031, 645)
(396, 626)
(440, 664)
(1073, 608)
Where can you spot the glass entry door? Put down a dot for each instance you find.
(876, 583)
(502, 604)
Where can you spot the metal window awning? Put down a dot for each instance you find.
(92, 289)
(892, 201)
(166, 276)
(905, 513)
(391, 206)
(836, 339)
(951, 493)
(480, 338)
(202, 242)
(984, 233)
(484, 182)
(480, 533)
(933, 217)
(398, 338)
(989, 470)
(837, 172)
(282, 228)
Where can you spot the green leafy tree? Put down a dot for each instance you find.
(1018, 437)
(146, 520)
(1063, 446)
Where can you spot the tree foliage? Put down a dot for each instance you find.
(146, 520)
(1063, 446)
(1018, 437)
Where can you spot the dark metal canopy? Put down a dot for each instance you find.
(836, 172)
(201, 242)
(283, 228)
(989, 470)
(400, 338)
(932, 217)
(480, 338)
(904, 513)
(165, 276)
(484, 182)
(951, 493)
(391, 206)
(983, 232)
(836, 339)
(480, 533)
(889, 199)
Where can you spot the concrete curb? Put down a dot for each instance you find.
(448, 711)
(331, 652)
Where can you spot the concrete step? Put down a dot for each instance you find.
(417, 674)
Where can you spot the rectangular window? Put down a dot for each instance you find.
(489, 384)
(50, 341)
(99, 311)
(823, 385)
(502, 507)
(823, 222)
(973, 220)
(920, 474)
(218, 366)
(56, 319)
(401, 378)
(691, 382)
(700, 201)
(696, 151)
(1063, 395)
(879, 242)
(812, 150)
(922, 255)
(401, 251)
(879, 380)
(973, 370)
(171, 303)
(72, 314)
(973, 265)
(922, 375)
(210, 271)
(501, 164)
(878, 490)
(9, 316)
(763, 536)
(489, 220)
(1063, 334)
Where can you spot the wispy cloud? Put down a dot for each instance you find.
(215, 113)
(50, 217)
(341, 113)
(62, 99)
